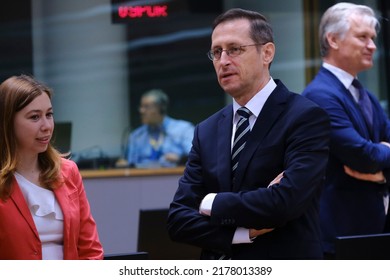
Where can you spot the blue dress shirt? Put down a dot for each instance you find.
(146, 150)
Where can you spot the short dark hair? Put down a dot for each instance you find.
(161, 99)
(261, 30)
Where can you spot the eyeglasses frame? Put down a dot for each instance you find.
(210, 53)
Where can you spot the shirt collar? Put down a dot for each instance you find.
(256, 104)
(161, 127)
(344, 77)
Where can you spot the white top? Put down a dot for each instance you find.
(47, 215)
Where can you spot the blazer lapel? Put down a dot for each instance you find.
(356, 117)
(61, 195)
(273, 107)
(20, 202)
(224, 149)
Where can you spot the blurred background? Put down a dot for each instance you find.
(99, 56)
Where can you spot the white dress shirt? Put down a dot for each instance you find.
(345, 78)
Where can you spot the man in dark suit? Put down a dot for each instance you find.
(354, 200)
(267, 207)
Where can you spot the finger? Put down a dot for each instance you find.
(349, 171)
(263, 231)
(277, 179)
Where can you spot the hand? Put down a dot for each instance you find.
(276, 180)
(257, 232)
(172, 157)
(121, 163)
(376, 177)
(386, 144)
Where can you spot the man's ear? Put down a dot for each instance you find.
(333, 40)
(268, 52)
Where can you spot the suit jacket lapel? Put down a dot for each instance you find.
(273, 107)
(20, 202)
(354, 112)
(224, 149)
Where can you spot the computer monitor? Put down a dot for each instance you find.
(62, 136)
(127, 256)
(153, 238)
(363, 247)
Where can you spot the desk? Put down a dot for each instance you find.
(117, 195)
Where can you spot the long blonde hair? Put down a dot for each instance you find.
(16, 93)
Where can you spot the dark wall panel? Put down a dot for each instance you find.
(15, 38)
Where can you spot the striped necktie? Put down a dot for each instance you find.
(364, 103)
(241, 135)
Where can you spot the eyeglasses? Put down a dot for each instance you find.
(232, 51)
(147, 106)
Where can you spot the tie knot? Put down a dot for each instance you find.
(244, 112)
(357, 84)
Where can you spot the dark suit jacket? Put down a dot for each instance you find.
(291, 135)
(350, 206)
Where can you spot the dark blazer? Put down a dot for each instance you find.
(19, 238)
(350, 206)
(291, 135)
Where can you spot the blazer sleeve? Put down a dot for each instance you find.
(88, 243)
(348, 143)
(185, 223)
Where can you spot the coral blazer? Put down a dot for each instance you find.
(19, 237)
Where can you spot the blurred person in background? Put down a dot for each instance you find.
(161, 141)
(355, 199)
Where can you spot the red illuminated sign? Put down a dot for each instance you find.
(165, 12)
(142, 11)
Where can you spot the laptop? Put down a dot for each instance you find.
(62, 136)
(363, 247)
(127, 256)
(153, 238)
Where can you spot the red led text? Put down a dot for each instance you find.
(143, 11)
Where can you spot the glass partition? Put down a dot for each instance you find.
(99, 68)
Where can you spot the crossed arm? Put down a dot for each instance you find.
(377, 177)
(253, 233)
